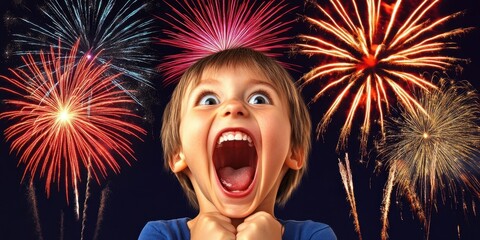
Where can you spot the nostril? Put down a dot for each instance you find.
(239, 113)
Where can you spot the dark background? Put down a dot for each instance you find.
(145, 191)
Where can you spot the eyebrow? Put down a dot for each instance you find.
(263, 82)
(207, 81)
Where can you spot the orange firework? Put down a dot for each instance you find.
(68, 115)
(372, 52)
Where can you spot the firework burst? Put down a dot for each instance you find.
(436, 155)
(67, 115)
(114, 33)
(372, 53)
(202, 27)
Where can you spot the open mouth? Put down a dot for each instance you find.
(235, 161)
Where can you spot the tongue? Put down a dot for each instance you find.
(236, 179)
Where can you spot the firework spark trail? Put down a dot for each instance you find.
(458, 232)
(33, 201)
(202, 27)
(373, 54)
(62, 226)
(436, 154)
(415, 204)
(64, 112)
(76, 195)
(101, 210)
(85, 205)
(347, 180)
(387, 192)
(116, 34)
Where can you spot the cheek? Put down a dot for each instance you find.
(193, 133)
(276, 137)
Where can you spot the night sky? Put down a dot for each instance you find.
(145, 191)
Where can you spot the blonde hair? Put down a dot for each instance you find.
(282, 81)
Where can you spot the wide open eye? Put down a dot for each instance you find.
(209, 99)
(259, 98)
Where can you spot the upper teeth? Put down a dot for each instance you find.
(234, 136)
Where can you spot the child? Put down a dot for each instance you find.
(236, 133)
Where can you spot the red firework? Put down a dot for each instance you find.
(371, 53)
(200, 28)
(68, 115)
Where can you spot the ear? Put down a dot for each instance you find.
(296, 159)
(178, 163)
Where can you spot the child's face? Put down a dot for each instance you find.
(235, 134)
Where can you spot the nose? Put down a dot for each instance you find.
(234, 108)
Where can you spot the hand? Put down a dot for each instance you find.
(213, 226)
(260, 225)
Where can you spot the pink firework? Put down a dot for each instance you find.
(67, 115)
(200, 28)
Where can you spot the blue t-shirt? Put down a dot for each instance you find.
(177, 229)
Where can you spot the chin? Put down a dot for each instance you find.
(237, 211)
